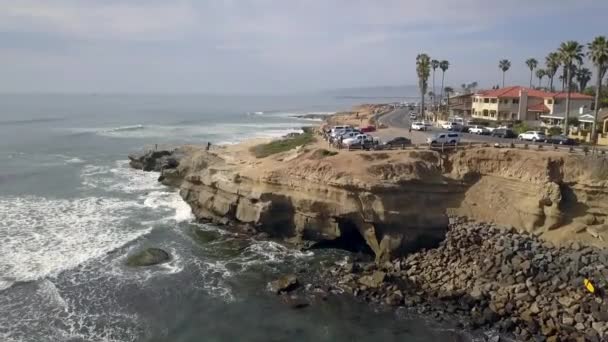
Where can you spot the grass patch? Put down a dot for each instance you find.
(322, 153)
(282, 145)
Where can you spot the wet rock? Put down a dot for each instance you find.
(148, 257)
(374, 280)
(296, 302)
(395, 298)
(284, 283)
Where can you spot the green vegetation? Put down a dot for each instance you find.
(423, 70)
(504, 65)
(520, 128)
(554, 131)
(282, 145)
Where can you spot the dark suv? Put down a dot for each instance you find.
(503, 133)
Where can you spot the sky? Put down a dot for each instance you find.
(276, 46)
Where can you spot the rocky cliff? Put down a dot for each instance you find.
(393, 202)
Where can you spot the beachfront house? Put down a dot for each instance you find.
(461, 105)
(523, 104)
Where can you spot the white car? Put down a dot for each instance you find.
(476, 129)
(444, 138)
(337, 129)
(419, 126)
(358, 139)
(452, 126)
(533, 136)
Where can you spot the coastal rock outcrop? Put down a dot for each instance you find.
(391, 205)
(390, 202)
(148, 257)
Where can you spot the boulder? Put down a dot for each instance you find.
(374, 280)
(285, 283)
(148, 257)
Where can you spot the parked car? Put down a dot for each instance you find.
(358, 139)
(348, 135)
(338, 130)
(478, 129)
(368, 129)
(561, 140)
(452, 126)
(419, 126)
(533, 136)
(398, 141)
(503, 133)
(444, 138)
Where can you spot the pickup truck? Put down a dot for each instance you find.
(477, 129)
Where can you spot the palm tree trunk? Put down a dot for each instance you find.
(435, 96)
(422, 104)
(566, 116)
(531, 77)
(598, 90)
(551, 83)
(442, 79)
(503, 79)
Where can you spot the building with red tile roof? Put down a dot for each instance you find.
(522, 103)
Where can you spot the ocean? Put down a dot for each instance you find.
(71, 211)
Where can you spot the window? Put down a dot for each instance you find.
(549, 101)
(515, 101)
(493, 101)
(513, 116)
(485, 112)
(486, 100)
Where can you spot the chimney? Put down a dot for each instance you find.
(522, 114)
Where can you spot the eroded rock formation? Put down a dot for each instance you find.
(392, 201)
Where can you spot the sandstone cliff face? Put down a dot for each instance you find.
(394, 202)
(561, 196)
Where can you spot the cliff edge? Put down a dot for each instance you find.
(392, 202)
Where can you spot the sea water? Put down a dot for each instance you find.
(71, 211)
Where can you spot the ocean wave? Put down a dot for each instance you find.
(126, 128)
(43, 236)
(30, 121)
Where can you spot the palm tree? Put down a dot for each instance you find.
(540, 73)
(448, 91)
(569, 52)
(552, 63)
(444, 66)
(423, 69)
(504, 65)
(598, 54)
(532, 64)
(434, 65)
(583, 76)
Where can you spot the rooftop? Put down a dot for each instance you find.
(513, 92)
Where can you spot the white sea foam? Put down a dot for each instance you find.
(120, 178)
(43, 236)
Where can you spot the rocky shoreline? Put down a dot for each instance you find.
(482, 276)
(486, 277)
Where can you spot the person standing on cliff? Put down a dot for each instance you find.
(208, 146)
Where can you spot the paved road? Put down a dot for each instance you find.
(400, 119)
(399, 123)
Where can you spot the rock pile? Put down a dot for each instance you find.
(497, 278)
(154, 160)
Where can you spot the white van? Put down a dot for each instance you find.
(444, 138)
(340, 129)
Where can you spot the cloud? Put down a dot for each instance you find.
(225, 45)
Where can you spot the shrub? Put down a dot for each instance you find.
(282, 145)
(322, 153)
(554, 130)
(521, 128)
